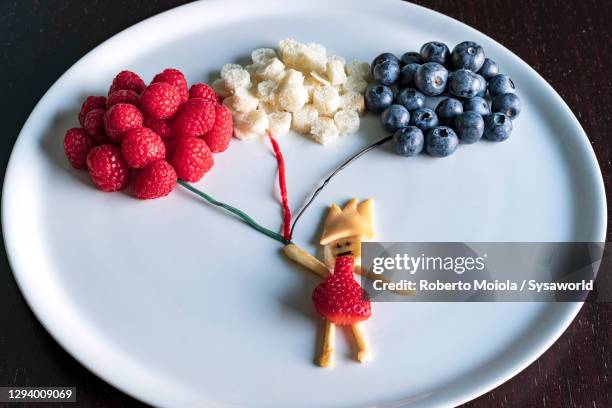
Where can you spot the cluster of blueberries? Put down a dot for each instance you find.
(402, 85)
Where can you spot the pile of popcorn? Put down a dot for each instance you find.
(299, 87)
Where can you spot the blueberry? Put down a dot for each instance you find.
(394, 117)
(467, 55)
(378, 98)
(441, 141)
(507, 103)
(469, 127)
(501, 84)
(478, 105)
(407, 73)
(385, 56)
(435, 51)
(431, 78)
(497, 127)
(386, 72)
(410, 57)
(408, 141)
(448, 109)
(424, 119)
(489, 69)
(464, 83)
(483, 86)
(411, 99)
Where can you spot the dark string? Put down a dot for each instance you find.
(333, 173)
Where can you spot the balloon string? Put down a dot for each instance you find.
(283, 188)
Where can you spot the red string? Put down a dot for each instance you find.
(283, 188)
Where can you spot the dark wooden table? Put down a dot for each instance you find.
(568, 42)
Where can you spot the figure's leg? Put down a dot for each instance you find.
(329, 339)
(363, 354)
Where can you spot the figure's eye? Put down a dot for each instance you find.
(347, 243)
(338, 245)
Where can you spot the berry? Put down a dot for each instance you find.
(90, 103)
(447, 110)
(489, 69)
(406, 78)
(192, 159)
(431, 78)
(411, 99)
(203, 91)
(507, 103)
(195, 118)
(408, 141)
(468, 55)
(218, 138)
(174, 77)
(141, 146)
(501, 84)
(483, 86)
(469, 127)
(386, 72)
(394, 117)
(156, 180)
(127, 80)
(410, 57)
(107, 169)
(478, 105)
(94, 125)
(122, 96)
(435, 52)
(170, 148)
(498, 127)
(441, 141)
(162, 127)
(385, 56)
(424, 119)
(160, 100)
(77, 143)
(339, 298)
(378, 98)
(464, 83)
(120, 118)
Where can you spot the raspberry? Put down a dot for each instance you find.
(141, 146)
(160, 126)
(107, 169)
(192, 159)
(174, 77)
(339, 298)
(94, 125)
(120, 118)
(160, 100)
(203, 91)
(170, 148)
(122, 96)
(218, 138)
(90, 103)
(156, 180)
(195, 118)
(77, 143)
(127, 80)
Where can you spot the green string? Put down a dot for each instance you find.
(245, 217)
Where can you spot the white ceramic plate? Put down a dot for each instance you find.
(178, 304)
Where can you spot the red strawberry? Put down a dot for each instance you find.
(339, 298)
(160, 100)
(141, 146)
(120, 118)
(77, 143)
(127, 80)
(218, 138)
(174, 77)
(203, 91)
(156, 180)
(122, 96)
(90, 103)
(107, 169)
(192, 159)
(160, 126)
(195, 118)
(94, 125)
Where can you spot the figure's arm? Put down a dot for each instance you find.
(298, 255)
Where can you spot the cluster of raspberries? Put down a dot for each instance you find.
(154, 134)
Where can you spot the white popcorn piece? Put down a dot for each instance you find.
(313, 59)
(266, 91)
(220, 88)
(292, 97)
(280, 123)
(293, 77)
(235, 77)
(353, 101)
(252, 70)
(270, 107)
(242, 101)
(274, 69)
(324, 130)
(251, 125)
(261, 56)
(225, 69)
(347, 121)
(360, 69)
(355, 83)
(311, 84)
(303, 119)
(335, 71)
(326, 99)
(291, 52)
(320, 79)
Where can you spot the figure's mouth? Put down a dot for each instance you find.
(345, 253)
